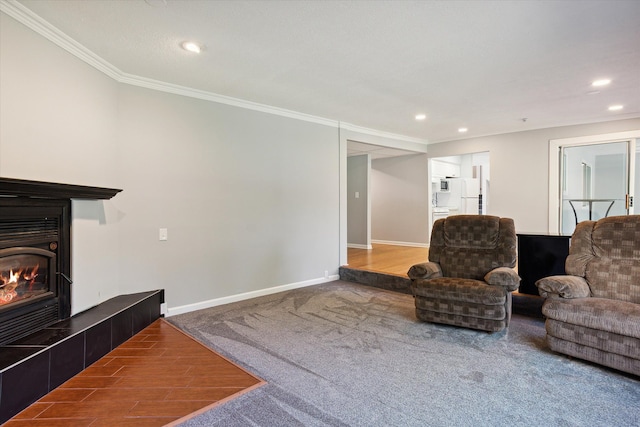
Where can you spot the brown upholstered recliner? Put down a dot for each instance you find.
(593, 312)
(469, 277)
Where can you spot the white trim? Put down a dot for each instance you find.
(554, 166)
(342, 189)
(382, 134)
(357, 246)
(247, 295)
(410, 244)
(221, 99)
(596, 139)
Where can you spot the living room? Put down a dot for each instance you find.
(265, 210)
(252, 196)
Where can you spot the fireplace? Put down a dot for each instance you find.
(35, 253)
(41, 344)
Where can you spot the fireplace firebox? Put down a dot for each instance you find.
(35, 253)
(26, 275)
(34, 265)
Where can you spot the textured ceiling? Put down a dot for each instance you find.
(484, 65)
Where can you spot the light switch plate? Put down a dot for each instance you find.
(163, 234)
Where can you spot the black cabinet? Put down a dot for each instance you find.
(540, 255)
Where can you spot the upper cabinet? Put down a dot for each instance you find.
(442, 169)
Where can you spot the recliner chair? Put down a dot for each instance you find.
(469, 277)
(593, 312)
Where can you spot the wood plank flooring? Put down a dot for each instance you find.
(389, 259)
(159, 377)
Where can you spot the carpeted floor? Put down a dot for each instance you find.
(343, 354)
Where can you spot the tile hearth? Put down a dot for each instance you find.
(35, 365)
(159, 377)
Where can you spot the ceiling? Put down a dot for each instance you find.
(490, 66)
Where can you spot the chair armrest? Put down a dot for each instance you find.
(503, 276)
(426, 270)
(563, 286)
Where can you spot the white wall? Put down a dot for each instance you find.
(250, 199)
(520, 168)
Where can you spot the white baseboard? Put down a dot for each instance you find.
(173, 311)
(389, 242)
(357, 246)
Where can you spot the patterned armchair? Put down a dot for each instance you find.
(469, 277)
(593, 312)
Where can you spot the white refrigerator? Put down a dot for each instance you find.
(465, 194)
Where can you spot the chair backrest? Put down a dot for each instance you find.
(607, 254)
(469, 246)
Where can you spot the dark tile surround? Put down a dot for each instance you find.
(33, 366)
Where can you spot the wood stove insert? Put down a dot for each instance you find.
(35, 253)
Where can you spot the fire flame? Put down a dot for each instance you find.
(11, 281)
(13, 278)
(31, 275)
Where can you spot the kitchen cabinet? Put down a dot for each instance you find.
(442, 169)
(439, 213)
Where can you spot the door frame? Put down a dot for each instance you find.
(555, 164)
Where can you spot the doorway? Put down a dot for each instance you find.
(459, 185)
(595, 178)
(595, 183)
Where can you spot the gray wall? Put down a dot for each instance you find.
(400, 200)
(358, 208)
(250, 199)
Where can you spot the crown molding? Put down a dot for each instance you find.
(26, 17)
(32, 21)
(381, 134)
(222, 99)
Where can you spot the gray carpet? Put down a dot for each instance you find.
(343, 354)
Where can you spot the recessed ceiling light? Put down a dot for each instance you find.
(616, 107)
(462, 130)
(191, 47)
(421, 116)
(600, 82)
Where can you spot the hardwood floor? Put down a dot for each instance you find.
(389, 259)
(159, 377)
(397, 260)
